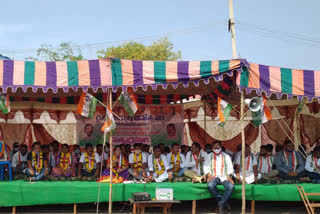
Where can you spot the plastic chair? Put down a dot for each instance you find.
(2, 164)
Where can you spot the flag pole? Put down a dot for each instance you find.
(110, 158)
(234, 55)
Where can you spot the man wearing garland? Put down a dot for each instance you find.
(290, 163)
(312, 166)
(158, 166)
(194, 162)
(65, 163)
(138, 163)
(89, 164)
(176, 161)
(37, 163)
(251, 165)
(218, 170)
(19, 160)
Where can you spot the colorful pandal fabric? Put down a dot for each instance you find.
(110, 73)
(292, 82)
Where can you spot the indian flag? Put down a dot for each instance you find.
(87, 105)
(109, 123)
(263, 115)
(224, 110)
(4, 103)
(129, 103)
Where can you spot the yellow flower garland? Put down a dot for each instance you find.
(123, 164)
(177, 162)
(92, 158)
(156, 166)
(139, 164)
(37, 164)
(65, 161)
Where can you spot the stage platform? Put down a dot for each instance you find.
(23, 193)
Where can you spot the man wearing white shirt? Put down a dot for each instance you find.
(19, 160)
(104, 158)
(138, 162)
(265, 164)
(312, 166)
(218, 170)
(251, 167)
(89, 163)
(194, 162)
(158, 166)
(176, 161)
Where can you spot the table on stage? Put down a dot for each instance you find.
(141, 205)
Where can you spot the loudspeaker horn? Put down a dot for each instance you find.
(254, 104)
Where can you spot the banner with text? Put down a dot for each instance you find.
(151, 124)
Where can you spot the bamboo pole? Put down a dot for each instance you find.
(111, 155)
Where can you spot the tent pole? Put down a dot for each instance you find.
(234, 55)
(111, 156)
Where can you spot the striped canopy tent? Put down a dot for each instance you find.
(280, 81)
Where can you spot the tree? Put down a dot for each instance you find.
(160, 50)
(64, 52)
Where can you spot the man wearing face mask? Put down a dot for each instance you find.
(138, 163)
(218, 170)
(290, 163)
(208, 148)
(14, 150)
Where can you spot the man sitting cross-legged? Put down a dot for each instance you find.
(37, 163)
(138, 163)
(89, 164)
(218, 170)
(312, 166)
(176, 161)
(290, 163)
(158, 166)
(19, 161)
(265, 163)
(195, 161)
(250, 166)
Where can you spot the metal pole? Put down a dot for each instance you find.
(111, 157)
(234, 55)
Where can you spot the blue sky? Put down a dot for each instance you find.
(200, 27)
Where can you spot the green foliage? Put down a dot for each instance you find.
(64, 52)
(160, 50)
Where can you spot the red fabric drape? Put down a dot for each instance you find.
(41, 134)
(197, 134)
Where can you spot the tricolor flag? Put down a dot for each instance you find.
(4, 103)
(224, 110)
(87, 105)
(129, 103)
(109, 123)
(263, 115)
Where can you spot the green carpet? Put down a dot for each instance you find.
(21, 193)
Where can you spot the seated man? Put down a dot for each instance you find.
(312, 166)
(218, 170)
(265, 163)
(89, 165)
(176, 161)
(65, 163)
(14, 150)
(158, 166)
(138, 163)
(251, 167)
(103, 158)
(290, 163)
(54, 153)
(19, 160)
(37, 163)
(194, 162)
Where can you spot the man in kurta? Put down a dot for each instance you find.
(194, 162)
(290, 163)
(265, 164)
(312, 165)
(218, 170)
(138, 163)
(176, 161)
(158, 166)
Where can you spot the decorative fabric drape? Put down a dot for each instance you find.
(64, 133)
